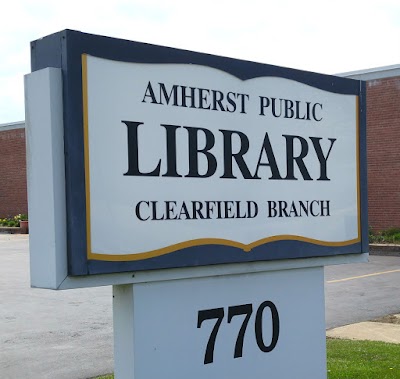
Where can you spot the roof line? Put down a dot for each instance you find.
(373, 73)
(12, 125)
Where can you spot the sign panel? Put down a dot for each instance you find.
(177, 159)
(258, 325)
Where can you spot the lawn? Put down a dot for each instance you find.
(358, 360)
(362, 360)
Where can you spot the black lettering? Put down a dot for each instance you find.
(203, 98)
(167, 97)
(231, 102)
(313, 111)
(133, 152)
(229, 155)
(298, 111)
(219, 210)
(209, 208)
(264, 103)
(218, 96)
(267, 148)
(194, 152)
(170, 210)
(304, 207)
(314, 202)
(308, 110)
(190, 96)
(322, 159)
(274, 107)
(289, 112)
(228, 209)
(282, 208)
(290, 158)
(252, 209)
(154, 212)
(150, 93)
(293, 210)
(325, 206)
(243, 98)
(171, 150)
(184, 211)
(272, 212)
(137, 210)
(238, 210)
(197, 206)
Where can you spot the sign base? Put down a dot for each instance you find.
(258, 324)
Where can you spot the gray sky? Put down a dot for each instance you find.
(314, 35)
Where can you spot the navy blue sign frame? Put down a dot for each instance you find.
(64, 50)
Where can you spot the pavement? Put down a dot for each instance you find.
(68, 334)
(50, 334)
(383, 329)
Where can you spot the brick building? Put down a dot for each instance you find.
(383, 139)
(13, 192)
(383, 144)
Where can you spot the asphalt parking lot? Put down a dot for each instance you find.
(363, 291)
(50, 334)
(68, 334)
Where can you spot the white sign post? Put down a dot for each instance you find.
(266, 324)
(209, 192)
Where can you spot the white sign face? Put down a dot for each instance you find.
(263, 325)
(181, 155)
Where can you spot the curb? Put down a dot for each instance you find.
(12, 230)
(384, 250)
(373, 247)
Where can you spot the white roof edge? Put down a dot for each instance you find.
(12, 125)
(373, 73)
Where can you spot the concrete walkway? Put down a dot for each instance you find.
(370, 331)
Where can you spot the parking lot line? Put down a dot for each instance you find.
(362, 276)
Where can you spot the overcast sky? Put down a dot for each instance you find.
(314, 35)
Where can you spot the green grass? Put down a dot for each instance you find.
(362, 360)
(357, 360)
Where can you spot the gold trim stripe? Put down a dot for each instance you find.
(86, 151)
(214, 241)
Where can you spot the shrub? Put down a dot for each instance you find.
(396, 237)
(391, 232)
(13, 221)
(391, 235)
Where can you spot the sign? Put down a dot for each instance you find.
(179, 159)
(259, 325)
(144, 158)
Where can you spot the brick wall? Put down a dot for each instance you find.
(383, 139)
(13, 191)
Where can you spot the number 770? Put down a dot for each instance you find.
(236, 310)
